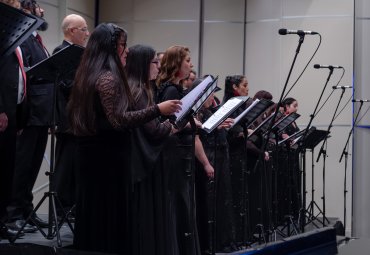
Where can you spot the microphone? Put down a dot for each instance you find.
(284, 31)
(342, 87)
(360, 100)
(317, 66)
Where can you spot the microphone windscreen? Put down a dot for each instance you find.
(317, 66)
(283, 31)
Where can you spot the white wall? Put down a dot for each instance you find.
(268, 59)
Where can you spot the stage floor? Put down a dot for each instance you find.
(345, 245)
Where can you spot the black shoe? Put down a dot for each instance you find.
(17, 225)
(35, 220)
(7, 233)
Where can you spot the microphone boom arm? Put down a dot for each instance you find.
(350, 133)
(330, 126)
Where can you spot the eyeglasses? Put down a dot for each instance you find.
(83, 29)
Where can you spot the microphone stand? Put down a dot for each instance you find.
(345, 154)
(300, 42)
(303, 211)
(323, 152)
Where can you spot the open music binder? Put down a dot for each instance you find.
(264, 126)
(250, 114)
(15, 26)
(205, 96)
(193, 101)
(284, 122)
(223, 113)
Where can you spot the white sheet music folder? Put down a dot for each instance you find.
(223, 113)
(237, 119)
(192, 97)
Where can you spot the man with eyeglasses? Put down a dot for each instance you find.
(32, 141)
(75, 31)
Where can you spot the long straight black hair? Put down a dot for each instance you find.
(100, 57)
(137, 69)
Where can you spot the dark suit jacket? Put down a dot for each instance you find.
(62, 46)
(39, 91)
(9, 73)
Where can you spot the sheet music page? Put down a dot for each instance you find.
(188, 100)
(220, 113)
(240, 116)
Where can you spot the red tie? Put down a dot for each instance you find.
(38, 37)
(21, 66)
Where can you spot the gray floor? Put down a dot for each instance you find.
(66, 237)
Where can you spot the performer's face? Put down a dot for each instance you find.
(122, 50)
(186, 67)
(154, 68)
(242, 89)
(80, 32)
(39, 11)
(293, 107)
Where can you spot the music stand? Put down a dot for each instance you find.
(247, 117)
(278, 128)
(265, 124)
(284, 122)
(293, 136)
(311, 140)
(15, 26)
(53, 69)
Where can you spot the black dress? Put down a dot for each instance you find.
(289, 184)
(104, 177)
(214, 199)
(177, 164)
(147, 200)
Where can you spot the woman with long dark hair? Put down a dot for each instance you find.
(100, 113)
(147, 201)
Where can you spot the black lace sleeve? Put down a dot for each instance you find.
(154, 129)
(108, 95)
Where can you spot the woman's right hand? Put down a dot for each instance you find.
(169, 107)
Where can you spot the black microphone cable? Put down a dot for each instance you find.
(349, 100)
(323, 104)
(304, 69)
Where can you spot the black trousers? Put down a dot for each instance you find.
(31, 145)
(7, 159)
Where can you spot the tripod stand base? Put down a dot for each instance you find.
(54, 225)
